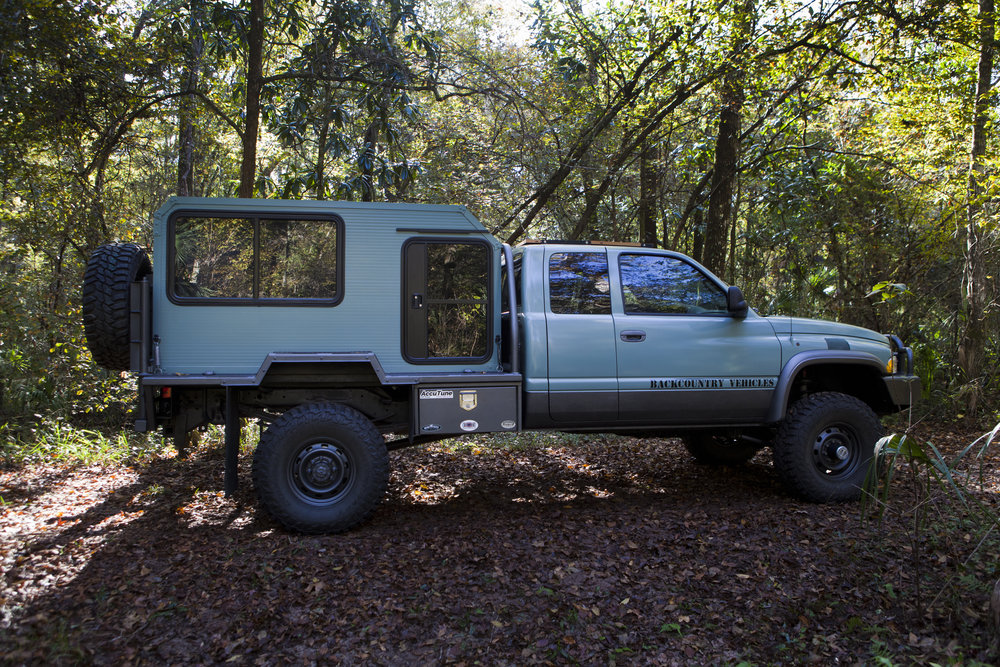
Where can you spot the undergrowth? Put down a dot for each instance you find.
(57, 441)
(945, 509)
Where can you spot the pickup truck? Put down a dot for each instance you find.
(352, 329)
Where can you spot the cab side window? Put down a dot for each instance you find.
(658, 285)
(578, 283)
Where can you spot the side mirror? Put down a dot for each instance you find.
(736, 304)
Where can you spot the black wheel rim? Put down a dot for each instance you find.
(321, 473)
(836, 451)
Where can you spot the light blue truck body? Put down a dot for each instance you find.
(355, 328)
(616, 369)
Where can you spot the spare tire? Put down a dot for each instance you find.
(111, 269)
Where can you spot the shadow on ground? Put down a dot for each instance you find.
(606, 552)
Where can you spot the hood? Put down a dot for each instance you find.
(802, 325)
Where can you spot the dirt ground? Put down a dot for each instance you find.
(585, 550)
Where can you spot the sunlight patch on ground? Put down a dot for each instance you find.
(428, 492)
(54, 510)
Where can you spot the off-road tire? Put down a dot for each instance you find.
(111, 269)
(321, 468)
(825, 445)
(715, 449)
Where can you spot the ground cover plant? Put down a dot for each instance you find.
(540, 549)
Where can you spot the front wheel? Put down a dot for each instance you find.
(321, 468)
(825, 445)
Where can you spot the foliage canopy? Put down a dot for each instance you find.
(844, 167)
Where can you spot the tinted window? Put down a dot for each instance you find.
(457, 284)
(578, 283)
(255, 258)
(653, 284)
(298, 259)
(213, 258)
(446, 300)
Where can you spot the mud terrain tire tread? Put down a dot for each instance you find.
(325, 437)
(806, 442)
(111, 269)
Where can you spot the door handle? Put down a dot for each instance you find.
(633, 336)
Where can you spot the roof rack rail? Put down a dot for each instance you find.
(622, 244)
(560, 241)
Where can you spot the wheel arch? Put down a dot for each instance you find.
(853, 373)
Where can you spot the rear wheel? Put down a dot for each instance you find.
(321, 468)
(111, 270)
(825, 446)
(721, 449)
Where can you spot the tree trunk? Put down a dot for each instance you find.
(368, 164)
(254, 83)
(324, 135)
(974, 294)
(720, 201)
(698, 236)
(591, 199)
(185, 116)
(727, 145)
(647, 196)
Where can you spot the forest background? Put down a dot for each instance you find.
(834, 158)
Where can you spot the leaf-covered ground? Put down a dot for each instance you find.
(571, 550)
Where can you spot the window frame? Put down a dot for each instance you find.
(255, 216)
(491, 259)
(706, 275)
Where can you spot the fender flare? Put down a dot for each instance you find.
(803, 360)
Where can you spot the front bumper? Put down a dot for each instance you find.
(904, 386)
(904, 390)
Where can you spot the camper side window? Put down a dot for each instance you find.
(259, 260)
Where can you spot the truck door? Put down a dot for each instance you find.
(582, 372)
(682, 358)
(446, 299)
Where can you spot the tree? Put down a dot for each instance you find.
(642, 75)
(727, 144)
(975, 296)
(194, 51)
(299, 60)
